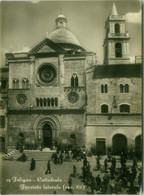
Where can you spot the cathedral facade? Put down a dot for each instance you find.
(58, 94)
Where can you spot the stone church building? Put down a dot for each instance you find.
(58, 94)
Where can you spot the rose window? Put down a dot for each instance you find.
(73, 97)
(47, 74)
(21, 99)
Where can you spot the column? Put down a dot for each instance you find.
(61, 69)
(32, 80)
(127, 47)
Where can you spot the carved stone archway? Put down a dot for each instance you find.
(39, 123)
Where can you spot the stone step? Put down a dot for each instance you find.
(37, 155)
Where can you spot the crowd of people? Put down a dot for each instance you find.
(112, 179)
(109, 175)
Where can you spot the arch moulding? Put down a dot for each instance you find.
(118, 131)
(41, 120)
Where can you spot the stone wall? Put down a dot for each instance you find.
(71, 123)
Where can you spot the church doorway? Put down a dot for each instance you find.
(119, 144)
(47, 135)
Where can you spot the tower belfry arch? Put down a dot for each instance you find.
(116, 43)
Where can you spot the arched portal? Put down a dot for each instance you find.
(47, 129)
(47, 135)
(119, 144)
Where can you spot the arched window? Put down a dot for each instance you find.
(56, 101)
(74, 80)
(52, 101)
(44, 101)
(126, 88)
(37, 101)
(25, 83)
(48, 101)
(15, 83)
(41, 102)
(104, 108)
(121, 88)
(104, 88)
(118, 50)
(124, 108)
(117, 28)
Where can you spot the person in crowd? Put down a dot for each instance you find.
(112, 171)
(61, 158)
(114, 162)
(98, 181)
(135, 161)
(92, 183)
(70, 183)
(105, 182)
(55, 158)
(98, 163)
(48, 167)
(22, 158)
(32, 164)
(118, 185)
(105, 164)
(134, 171)
(84, 173)
(74, 170)
(85, 162)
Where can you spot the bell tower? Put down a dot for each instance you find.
(116, 43)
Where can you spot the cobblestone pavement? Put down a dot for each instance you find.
(18, 179)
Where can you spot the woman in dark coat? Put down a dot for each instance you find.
(32, 165)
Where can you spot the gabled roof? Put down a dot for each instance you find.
(46, 46)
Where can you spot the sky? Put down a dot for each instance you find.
(24, 23)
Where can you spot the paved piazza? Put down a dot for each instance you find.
(18, 179)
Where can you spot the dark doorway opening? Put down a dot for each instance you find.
(138, 146)
(47, 135)
(119, 144)
(100, 146)
(2, 144)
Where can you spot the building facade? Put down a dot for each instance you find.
(114, 93)
(58, 94)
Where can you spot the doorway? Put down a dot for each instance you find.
(119, 144)
(47, 135)
(100, 146)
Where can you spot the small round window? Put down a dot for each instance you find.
(21, 98)
(73, 97)
(47, 73)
